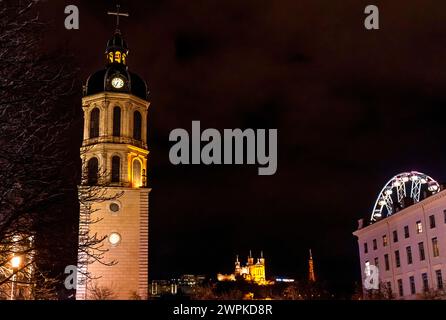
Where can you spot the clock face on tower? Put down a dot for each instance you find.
(117, 82)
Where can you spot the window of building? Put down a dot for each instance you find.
(419, 227)
(137, 124)
(375, 244)
(425, 282)
(397, 258)
(406, 232)
(385, 241)
(412, 285)
(435, 249)
(386, 261)
(421, 250)
(439, 279)
(432, 221)
(400, 287)
(93, 168)
(395, 236)
(94, 123)
(116, 121)
(116, 169)
(377, 262)
(409, 255)
(366, 248)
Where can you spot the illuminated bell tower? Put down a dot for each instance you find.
(114, 157)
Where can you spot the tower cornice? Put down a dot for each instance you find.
(124, 97)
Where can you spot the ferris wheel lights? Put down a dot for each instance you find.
(411, 184)
(396, 183)
(432, 186)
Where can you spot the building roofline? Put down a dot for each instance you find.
(398, 214)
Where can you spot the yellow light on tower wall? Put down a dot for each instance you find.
(118, 56)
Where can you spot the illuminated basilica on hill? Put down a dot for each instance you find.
(251, 272)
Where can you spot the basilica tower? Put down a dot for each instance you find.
(114, 160)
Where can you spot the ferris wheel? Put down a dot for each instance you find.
(401, 186)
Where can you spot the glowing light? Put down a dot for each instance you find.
(399, 182)
(432, 187)
(16, 261)
(114, 238)
(396, 183)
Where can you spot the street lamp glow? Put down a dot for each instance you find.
(15, 262)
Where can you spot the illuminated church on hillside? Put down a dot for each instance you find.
(114, 156)
(251, 272)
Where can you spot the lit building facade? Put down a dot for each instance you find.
(252, 272)
(408, 247)
(114, 159)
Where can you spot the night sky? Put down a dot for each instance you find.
(352, 108)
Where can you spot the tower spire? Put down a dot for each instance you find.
(118, 14)
(311, 275)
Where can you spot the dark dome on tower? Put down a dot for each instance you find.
(117, 42)
(116, 77)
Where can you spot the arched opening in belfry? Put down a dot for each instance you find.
(116, 121)
(137, 125)
(93, 171)
(94, 123)
(116, 169)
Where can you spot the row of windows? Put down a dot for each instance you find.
(425, 281)
(418, 228)
(93, 171)
(409, 257)
(95, 119)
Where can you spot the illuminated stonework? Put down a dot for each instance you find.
(251, 272)
(114, 156)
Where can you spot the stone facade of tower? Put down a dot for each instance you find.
(114, 159)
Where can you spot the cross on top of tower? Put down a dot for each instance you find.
(118, 14)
